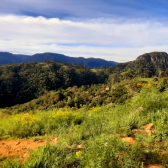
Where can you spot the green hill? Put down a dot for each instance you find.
(20, 83)
(146, 66)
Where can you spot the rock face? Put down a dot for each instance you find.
(155, 57)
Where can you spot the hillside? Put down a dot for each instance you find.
(20, 83)
(146, 65)
(130, 134)
(6, 58)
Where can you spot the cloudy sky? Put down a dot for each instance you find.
(116, 30)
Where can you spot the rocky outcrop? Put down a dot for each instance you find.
(158, 57)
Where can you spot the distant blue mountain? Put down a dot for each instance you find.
(22, 57)
(7, 58)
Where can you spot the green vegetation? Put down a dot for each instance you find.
(97, 129)
(74, 97)
(20, 83)
(99, 116)
(88, 96)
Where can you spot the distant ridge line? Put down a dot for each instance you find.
(8, 58)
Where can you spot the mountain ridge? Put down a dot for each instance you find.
(6, 58)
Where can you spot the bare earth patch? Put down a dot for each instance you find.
(21, 148)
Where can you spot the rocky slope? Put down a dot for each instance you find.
(159, 57)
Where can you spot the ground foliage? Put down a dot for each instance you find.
(74, 97)
(89, 96)
(97, 129)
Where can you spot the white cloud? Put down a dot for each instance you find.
(127, 39)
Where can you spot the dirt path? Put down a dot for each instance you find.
(21, 148)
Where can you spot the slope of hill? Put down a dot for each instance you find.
(146, 65)
(133, 134)
(6, 58)
(23, 82)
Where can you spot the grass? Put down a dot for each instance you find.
(96, 129)
(148, 80)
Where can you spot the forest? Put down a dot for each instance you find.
(21, 83)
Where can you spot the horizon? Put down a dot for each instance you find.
(79, 56)
(54, 53)
(113, 30)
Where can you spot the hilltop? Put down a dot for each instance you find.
(146, 65)
(159, 57)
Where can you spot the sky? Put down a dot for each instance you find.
(115, 30)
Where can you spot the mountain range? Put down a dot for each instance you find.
(146, 65)
(8, 58)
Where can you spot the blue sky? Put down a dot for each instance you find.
(117, 30)
(86, 8)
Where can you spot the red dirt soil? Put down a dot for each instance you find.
(21, 148)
